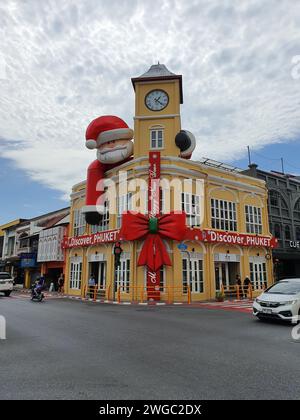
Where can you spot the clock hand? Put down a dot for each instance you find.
(157, 100)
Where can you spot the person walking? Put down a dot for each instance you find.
(60, 283)
(246, 285)
(92, 284)
(239, 286)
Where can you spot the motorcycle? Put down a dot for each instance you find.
(36, 293)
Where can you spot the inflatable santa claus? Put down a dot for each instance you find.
(112, 138)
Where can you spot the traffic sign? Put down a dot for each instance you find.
(182, 246)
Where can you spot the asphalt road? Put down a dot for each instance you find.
(64, 349)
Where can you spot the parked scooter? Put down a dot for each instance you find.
(36, 292)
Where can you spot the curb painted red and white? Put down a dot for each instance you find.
(244, 305)
(113, 302)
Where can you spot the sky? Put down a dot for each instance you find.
(62, 64)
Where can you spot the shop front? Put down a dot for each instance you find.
(227, 268)
(30, 267)
(197, 272)
(287, 261)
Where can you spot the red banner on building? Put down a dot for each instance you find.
(153, 184)
(153, 278)
(231, 238)
(108, 236)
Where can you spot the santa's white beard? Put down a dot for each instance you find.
(116, 155)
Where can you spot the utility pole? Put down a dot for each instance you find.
(282, 166)
(249, 155)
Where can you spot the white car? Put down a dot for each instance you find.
(280, 301)
(6, 283)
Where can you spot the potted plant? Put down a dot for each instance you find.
(220, 297)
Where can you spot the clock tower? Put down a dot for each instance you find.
(158, 96)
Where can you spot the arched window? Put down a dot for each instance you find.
(277, 231)
(284, 208)
(297, 210)
(278, 205)
(287, 232)
(274, 198)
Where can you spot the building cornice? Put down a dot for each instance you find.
(156, 117)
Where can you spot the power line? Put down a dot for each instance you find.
(264, 157)
(291, 165)
(281, 160)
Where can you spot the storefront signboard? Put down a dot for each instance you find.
(28, 260)
(232, 238)
(295, 244)
(98, 238)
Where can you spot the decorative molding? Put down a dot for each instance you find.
(240, 185)
(156, 117)
(222, 188)
(227, 246)
(197, 242)
(254, 195)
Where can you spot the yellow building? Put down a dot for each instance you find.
(226, 214)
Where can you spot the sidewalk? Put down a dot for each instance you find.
(244, 305)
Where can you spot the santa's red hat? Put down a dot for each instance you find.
(106, 128)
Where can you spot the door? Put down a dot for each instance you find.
(122, 277)
(102, 275)
(221, 275)
(258, 275)
(193, 276)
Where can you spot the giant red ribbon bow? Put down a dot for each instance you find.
(153, 229)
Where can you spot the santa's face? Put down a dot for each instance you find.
(115, 151)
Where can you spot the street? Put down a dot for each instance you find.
(63, 349)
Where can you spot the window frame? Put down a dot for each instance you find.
(75, 280)
(190, 204)
(154, 142)
(122, 279)
(221, 212)
(253, 219)
(123, 206)
(79, 224)
(258, 275)
(104, 222)
(197, 286)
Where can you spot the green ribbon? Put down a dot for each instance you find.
(153, 225)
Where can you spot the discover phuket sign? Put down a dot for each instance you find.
(206, 235)
(232, 238)
(108, 236)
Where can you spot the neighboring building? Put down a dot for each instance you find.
(50, 252)
(21, 243)
(284, 218)
(9, 260)
(228, 221)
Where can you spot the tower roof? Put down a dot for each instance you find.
(158, 72)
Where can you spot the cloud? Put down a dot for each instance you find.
(68, 62)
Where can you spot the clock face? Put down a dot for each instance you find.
(156, 100)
